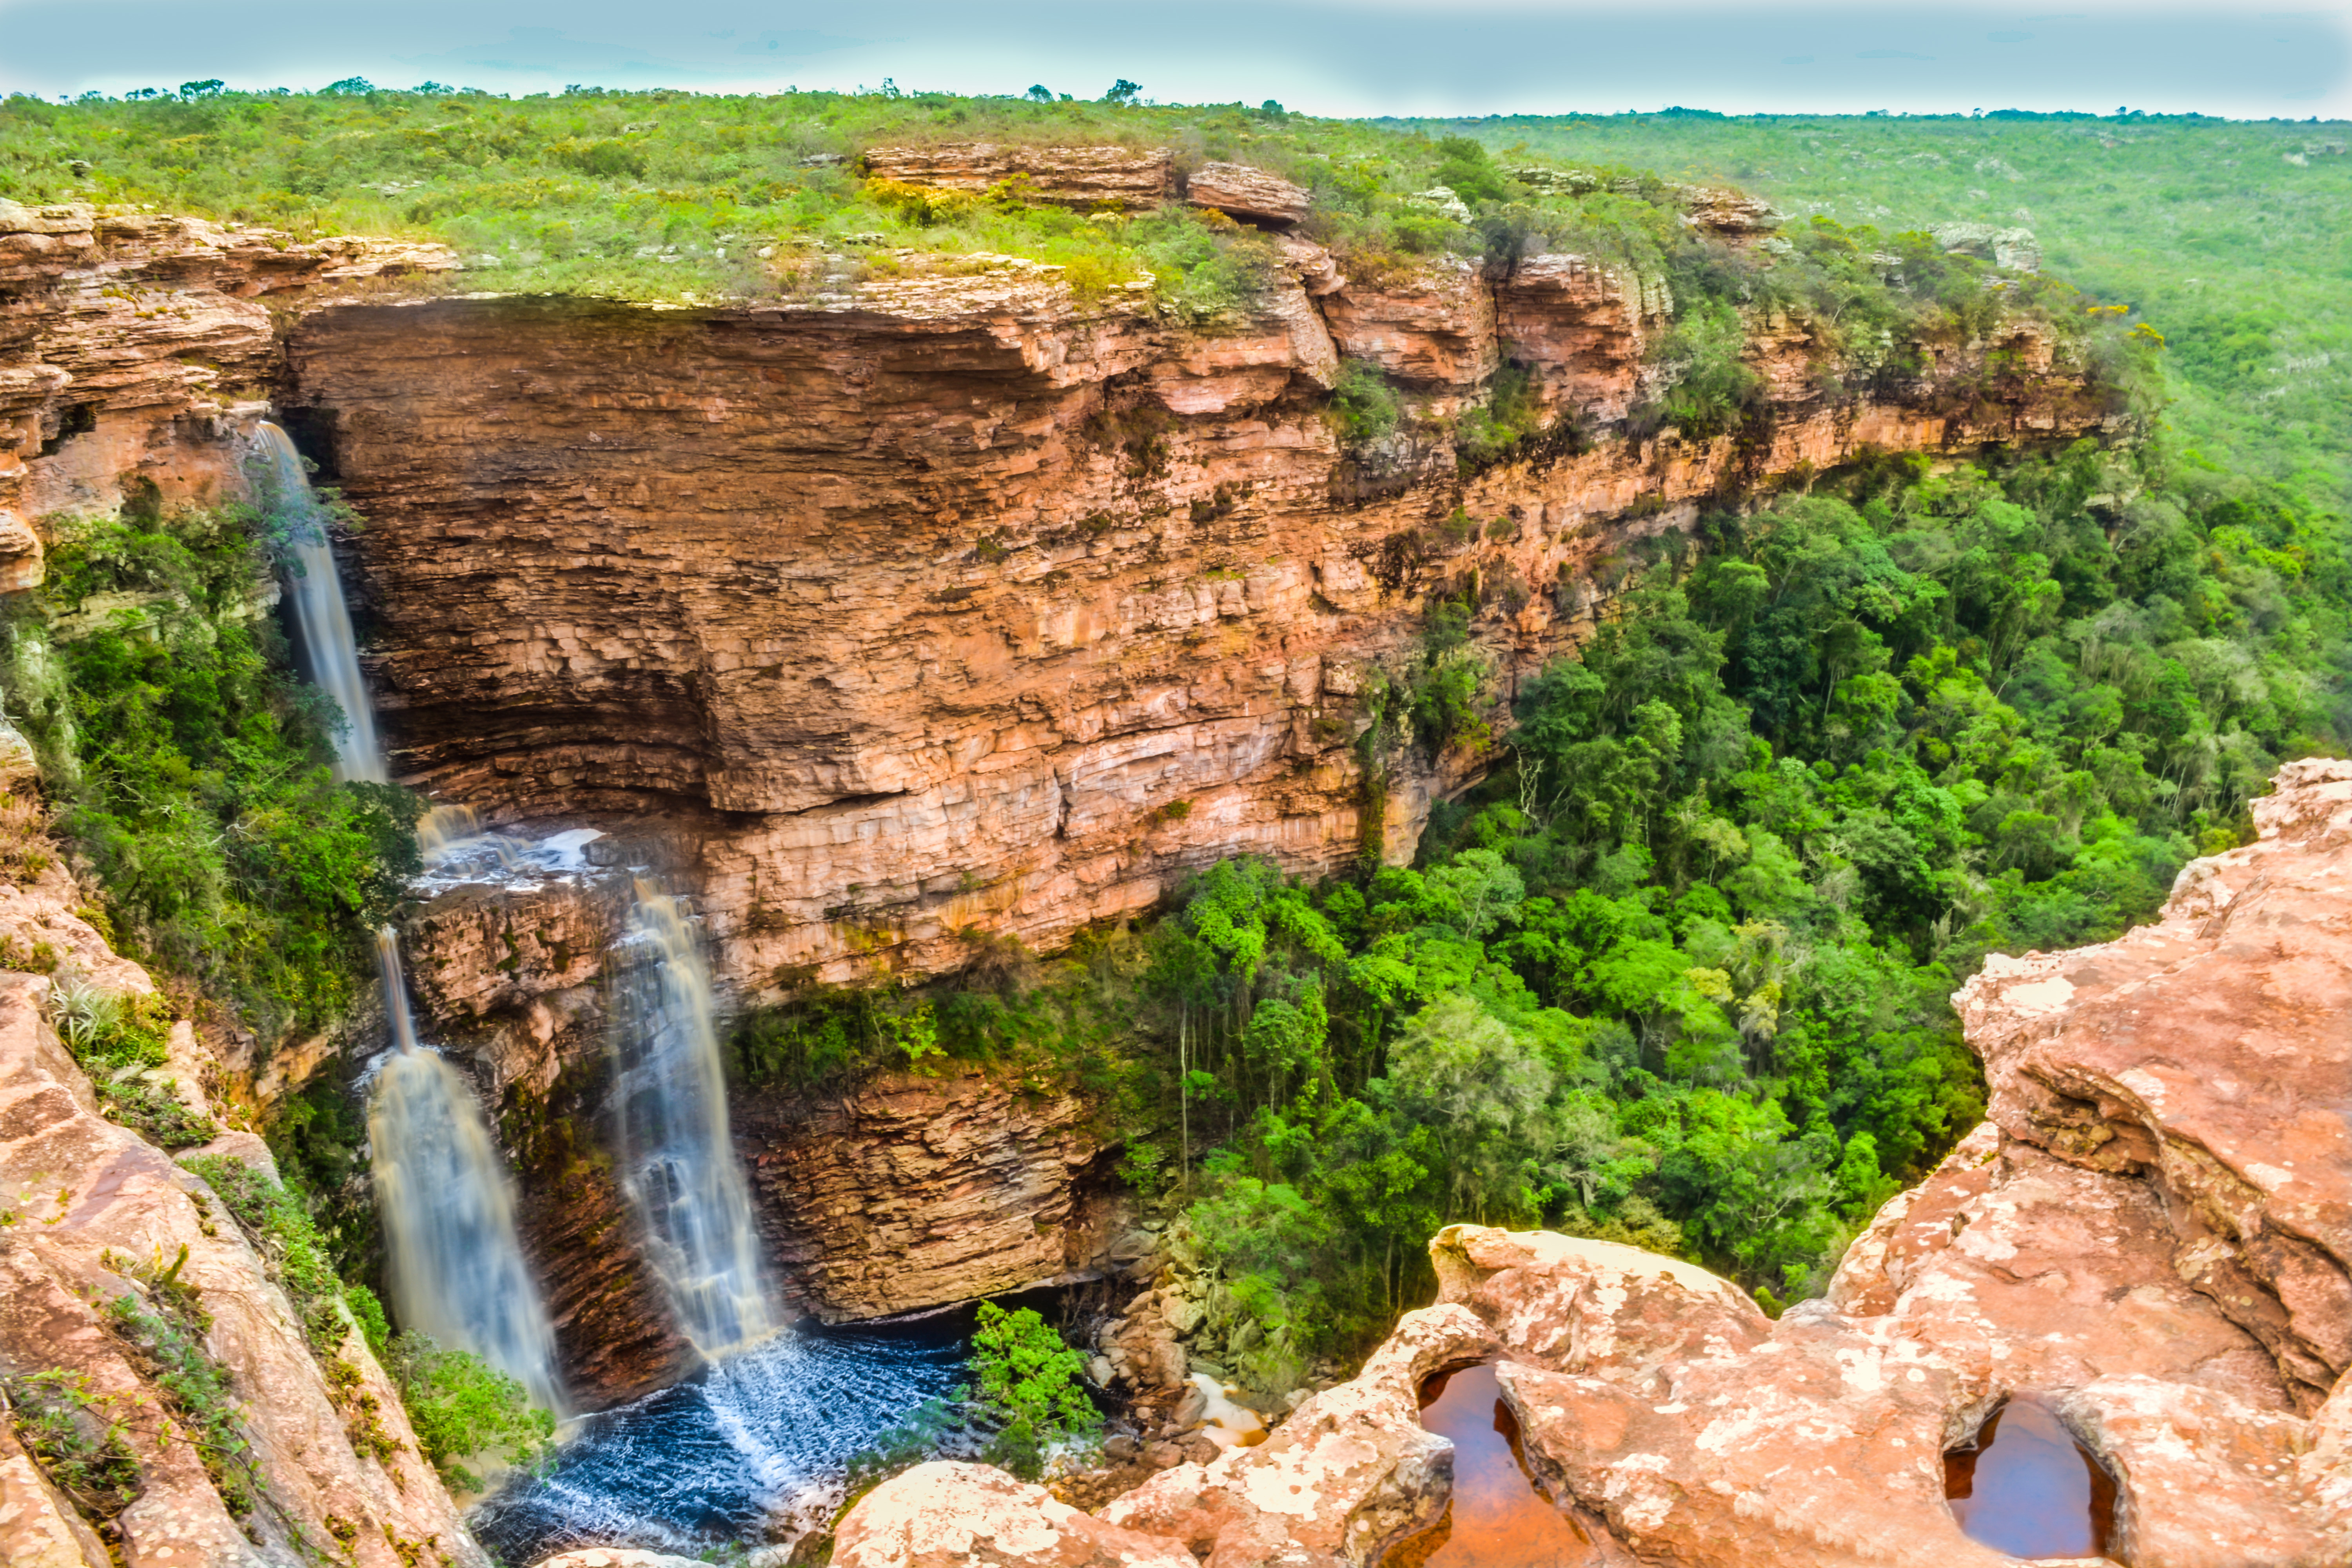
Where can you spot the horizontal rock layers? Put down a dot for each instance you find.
(135, 349)
(957, 603)
(910, 1192)
(2149, 1238)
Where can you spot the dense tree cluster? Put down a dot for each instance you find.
(1679, 976)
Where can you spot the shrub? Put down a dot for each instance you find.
(1364, 407)
(1028, 1379)
(193, 770)
(463, 1408)
(118, 1039)
(78, 1442)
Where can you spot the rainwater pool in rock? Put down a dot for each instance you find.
(2029, 1488)
(709, 1461)
(1497, 1519)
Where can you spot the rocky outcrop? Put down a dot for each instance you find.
(1241, 191)
(95, 1214)
(135, 353)
(2148, 1239)
(957, 603)
(1108, 178)
(2203, 1057)
(911, 1191)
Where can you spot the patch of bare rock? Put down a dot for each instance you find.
(2150, 1236)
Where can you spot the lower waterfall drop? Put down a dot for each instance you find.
(677, 1164)
(455, 1268)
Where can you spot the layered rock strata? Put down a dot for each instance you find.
(911, 1191)
(2150, 1238)
(1106, 178)
(957, 603)
(135, 354)
(94, 1214)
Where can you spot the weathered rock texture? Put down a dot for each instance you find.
(960, 603)
(2150, 1236)
(910, 1192)
(1240, 191)
(135, 351)
(1089, 177)
(90, 1201)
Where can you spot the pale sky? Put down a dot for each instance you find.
(1402, 57)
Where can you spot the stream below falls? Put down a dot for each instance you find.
(761, 1438)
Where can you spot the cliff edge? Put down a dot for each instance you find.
(2150, 1238)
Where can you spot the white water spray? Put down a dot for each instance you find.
(457, 1267)
(678, 1165)
(318, 610)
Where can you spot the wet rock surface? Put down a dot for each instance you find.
(912, 1190)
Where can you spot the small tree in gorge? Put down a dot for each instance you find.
(1029, 1379)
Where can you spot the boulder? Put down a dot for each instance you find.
(2013, 250)
(1240, 191)
(947, 1515)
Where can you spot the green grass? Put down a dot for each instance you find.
(2227, 237)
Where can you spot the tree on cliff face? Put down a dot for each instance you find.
(1680, 977)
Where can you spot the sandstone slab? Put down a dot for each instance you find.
(1242, 190)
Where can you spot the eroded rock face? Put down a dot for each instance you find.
(910, 1191)
(2206, 1054)
(90, 1202)
(133, 354)
(1240, 191)
(958, 603)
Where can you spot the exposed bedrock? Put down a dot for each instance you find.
(902, 1193)
(94, 1214)
(952, 602)
(2149, 1236)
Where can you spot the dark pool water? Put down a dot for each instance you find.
(1497, 1519)
(712, 1460)
(2029, 1488)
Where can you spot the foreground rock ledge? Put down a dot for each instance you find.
(2152, 1232)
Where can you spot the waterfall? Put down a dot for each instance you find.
(677, 1164)
(324, 620)
(456, 1266)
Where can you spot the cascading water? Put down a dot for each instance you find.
(319, 613)
(679, 1165)
(457, 1266)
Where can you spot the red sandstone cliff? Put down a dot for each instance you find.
(955, 602)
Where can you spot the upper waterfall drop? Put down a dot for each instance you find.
(320, 612)
(456, 1264)
(678, 1164)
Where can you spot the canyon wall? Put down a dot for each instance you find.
(2151, 1238)
(91, 1214)
(953, 602)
